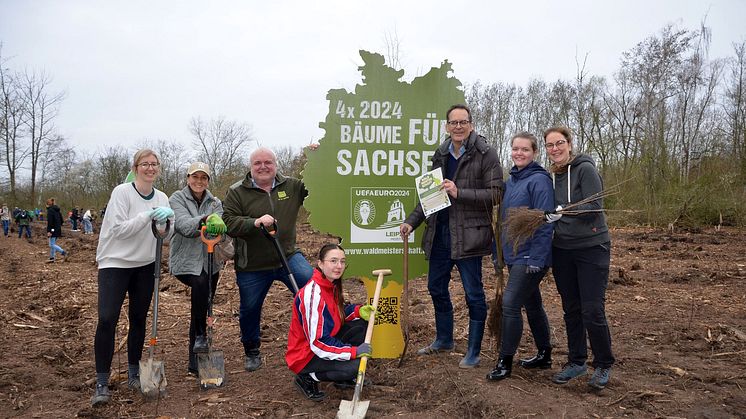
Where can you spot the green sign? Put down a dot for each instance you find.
(361, 178)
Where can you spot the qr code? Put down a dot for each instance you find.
(388, 310)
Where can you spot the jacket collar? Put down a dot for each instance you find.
(318, 278)
(472, 143)
(248, 182)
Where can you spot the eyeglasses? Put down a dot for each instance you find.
(148, 165)
(558, 144)
(457, 123)
(336, 261)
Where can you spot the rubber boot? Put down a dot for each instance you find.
(502, 370)
(443, 335)
(543, 360)
(476, 332)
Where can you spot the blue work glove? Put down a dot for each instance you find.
(215, 225)
(530, 269)
(366, 311)
(364, 350)
(161, 214)
(552, 216)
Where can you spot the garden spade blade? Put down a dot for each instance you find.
(211, 368)
(152, 378)
(210, 365)
(152, 373)
(356, 409)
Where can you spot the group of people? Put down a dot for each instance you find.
(326, 335)
(22, 218)
(576, 248)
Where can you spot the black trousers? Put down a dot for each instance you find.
(113, 285)
(198, 283)
(352, 333)
(581, 276)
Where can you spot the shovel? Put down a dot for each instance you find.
(405, 300)
(356, 409)
(272, 236)
(152, 374)
(210, 365)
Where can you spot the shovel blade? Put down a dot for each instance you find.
(152, 378)
(211, 369)
(350, 410)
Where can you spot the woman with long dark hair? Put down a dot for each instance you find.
(581, 253)
(326, 338)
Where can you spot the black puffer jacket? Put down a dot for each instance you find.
(479, 179)
(54, 221)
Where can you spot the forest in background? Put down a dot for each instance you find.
(670, 123)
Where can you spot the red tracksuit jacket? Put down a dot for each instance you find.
(315, 323)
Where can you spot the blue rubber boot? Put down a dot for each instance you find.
(443, 335)
(476, 332)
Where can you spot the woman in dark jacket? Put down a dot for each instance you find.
(581, 252)
(529, 186)
(54, 230)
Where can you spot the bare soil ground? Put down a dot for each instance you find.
(676, 304)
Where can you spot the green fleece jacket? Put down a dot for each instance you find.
(245, 203)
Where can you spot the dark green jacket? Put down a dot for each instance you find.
(245, 203)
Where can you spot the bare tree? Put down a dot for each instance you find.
(40, 108)
(734, 106)
(222, 144)
(11, 120)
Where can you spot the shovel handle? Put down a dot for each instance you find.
(209, 242)
(270, 234)
(157, 233)
(369, 334)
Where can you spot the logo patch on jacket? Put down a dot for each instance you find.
(282, 195)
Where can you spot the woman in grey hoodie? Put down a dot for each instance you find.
(581, 252)
(194, 206)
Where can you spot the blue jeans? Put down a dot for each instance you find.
(523, 290)
(253, 287)
(6, 227)
(581, 276)
(87, 226)
(439, 276)
(28, 231)
(54, 248)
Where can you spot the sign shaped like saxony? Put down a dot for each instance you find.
(361, 179)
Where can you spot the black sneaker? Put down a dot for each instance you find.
(133, 383)
(200, 345)
(101, 396)
(252, 361)
(50, 260)
(309, 387)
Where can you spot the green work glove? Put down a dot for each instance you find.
(364, 350)
(215, 225)
(366, 311)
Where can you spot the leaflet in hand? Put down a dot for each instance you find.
(432, 197)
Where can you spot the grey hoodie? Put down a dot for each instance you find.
(586, 230)
(187, 254)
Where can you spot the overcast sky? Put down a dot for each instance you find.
(135, 70)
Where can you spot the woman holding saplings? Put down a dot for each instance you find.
(529, 186)
(327, 337)
(195, 206)
(581, 251)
